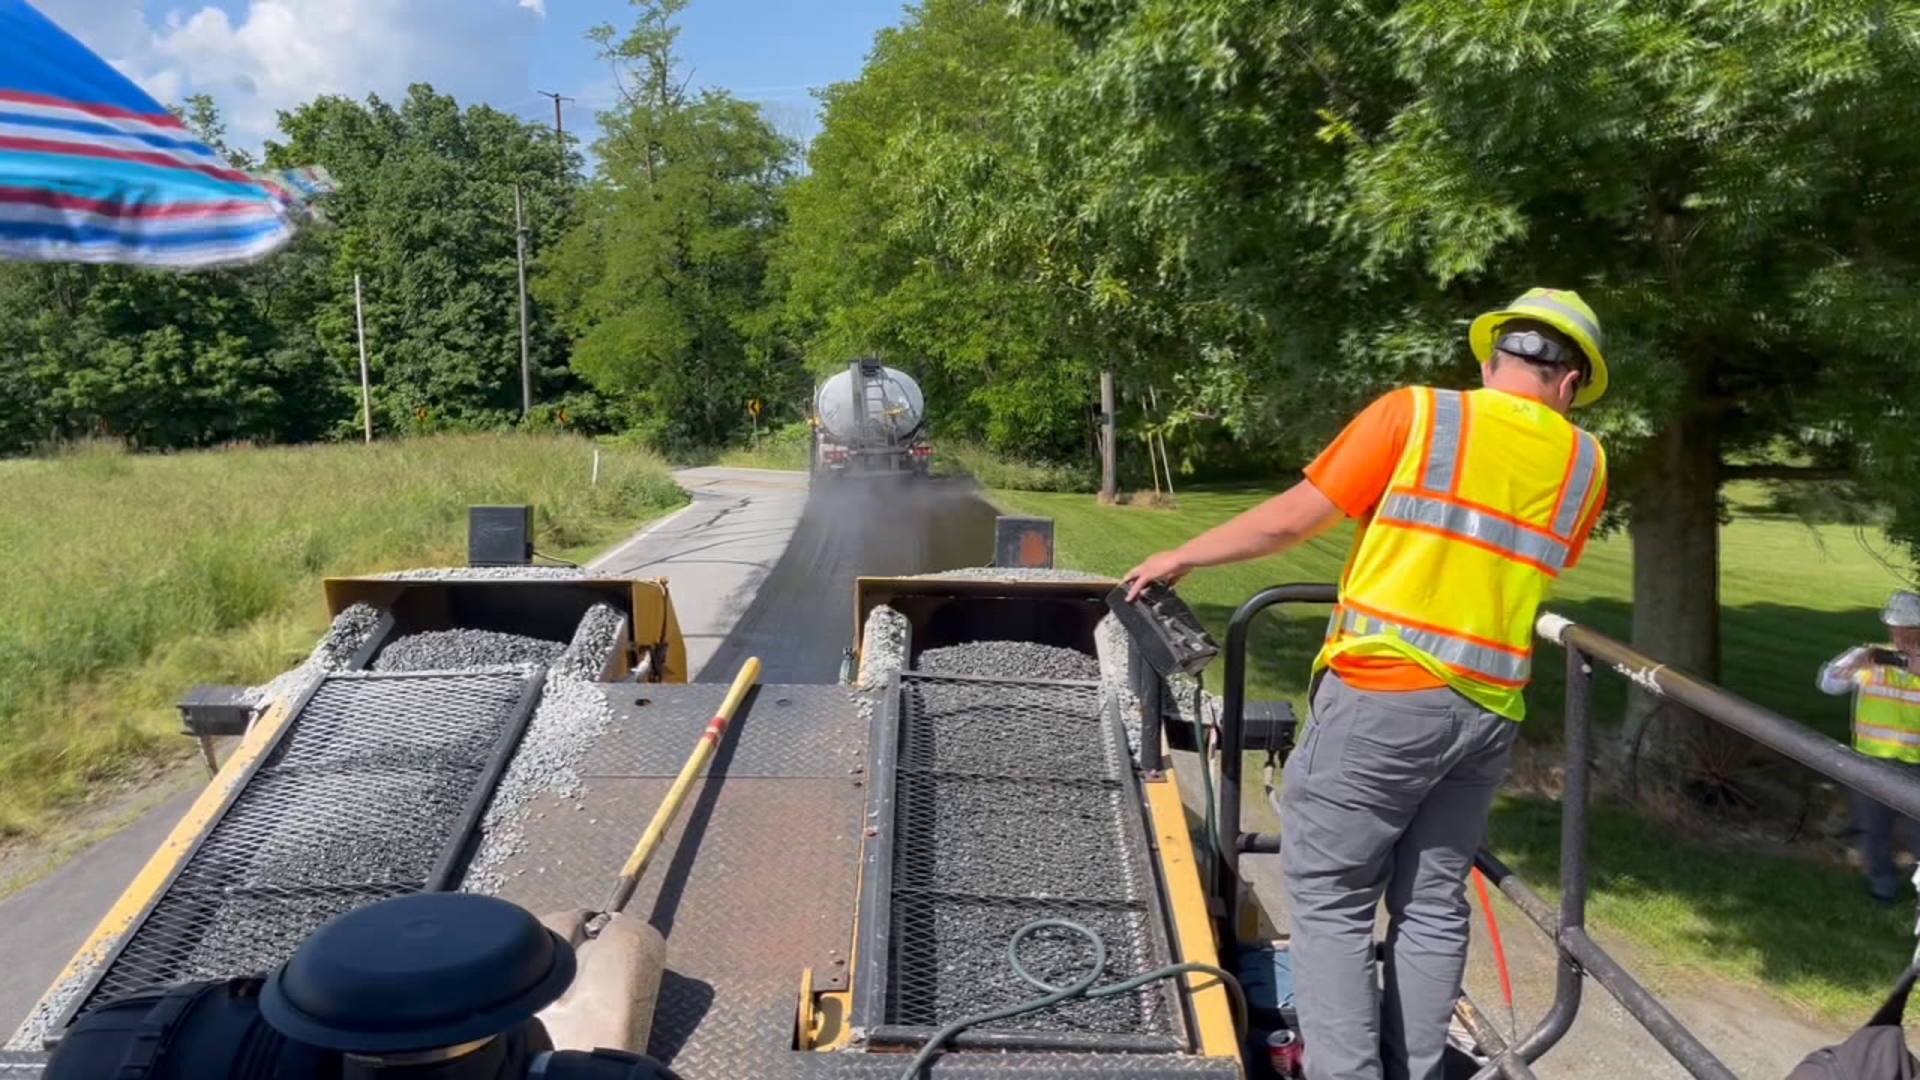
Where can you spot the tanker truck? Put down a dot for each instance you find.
(868, 421)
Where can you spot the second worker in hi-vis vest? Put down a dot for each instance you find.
(1886, 725)
(1470, 504)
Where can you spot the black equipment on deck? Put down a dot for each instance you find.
(1165, 629)
(499, 535)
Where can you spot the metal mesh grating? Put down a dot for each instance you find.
(1009, 805)
(370, 792)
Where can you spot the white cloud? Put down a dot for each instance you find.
(275, 54)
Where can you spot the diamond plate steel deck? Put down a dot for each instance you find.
(803, 731)
(1008, 802)
(371, 791)
(757, 880)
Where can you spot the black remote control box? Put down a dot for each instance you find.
(1165, 629)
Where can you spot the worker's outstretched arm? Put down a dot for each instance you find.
(1299, 513)
(1842, 673)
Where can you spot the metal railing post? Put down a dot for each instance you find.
(1233, 738)
(1573, 860)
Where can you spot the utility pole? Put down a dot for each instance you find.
(526, 368)
(366, 393)
(559, 128)
(1108, 451)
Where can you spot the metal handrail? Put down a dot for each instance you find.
(1579, 955)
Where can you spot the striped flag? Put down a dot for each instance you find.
(93, 170)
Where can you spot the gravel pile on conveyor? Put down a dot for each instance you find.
(486, 573)
(349, 632)
(586, 656)
(1014, 573)
(1022, 660)
(453, 650)
(971, 822)
(573, 713)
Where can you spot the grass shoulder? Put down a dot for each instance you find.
(130, 578)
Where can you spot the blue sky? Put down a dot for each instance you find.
(771, 51)
(259, 56)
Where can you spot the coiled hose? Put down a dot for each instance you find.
(1081, 988)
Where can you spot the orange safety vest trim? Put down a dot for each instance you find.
(1481, 515)
(1886, 715)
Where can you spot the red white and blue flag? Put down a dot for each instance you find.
(93, 170)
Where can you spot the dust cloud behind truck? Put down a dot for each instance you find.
(870, 420)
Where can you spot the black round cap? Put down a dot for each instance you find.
(418, 972)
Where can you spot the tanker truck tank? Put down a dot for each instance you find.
(869, 419)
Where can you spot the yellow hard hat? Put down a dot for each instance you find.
(1561, 309)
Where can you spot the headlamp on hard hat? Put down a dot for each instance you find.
(1531, 344)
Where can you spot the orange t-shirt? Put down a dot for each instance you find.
(1353, 473)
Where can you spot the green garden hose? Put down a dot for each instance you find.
(1081, 988)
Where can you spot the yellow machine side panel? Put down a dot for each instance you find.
(1192, 928)
(654, 620)
(160, 867)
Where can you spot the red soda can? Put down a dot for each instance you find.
(1284, 1052)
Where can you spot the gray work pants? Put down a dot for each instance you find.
(1874, 823)
(1388, 795)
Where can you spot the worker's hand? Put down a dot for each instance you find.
(1166, 567)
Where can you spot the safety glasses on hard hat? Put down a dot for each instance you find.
(1538, 348)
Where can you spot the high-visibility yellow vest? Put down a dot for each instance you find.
(1886, 714)
(1463, 548)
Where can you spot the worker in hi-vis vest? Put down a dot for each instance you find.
(1886, 724)
(1470, 505)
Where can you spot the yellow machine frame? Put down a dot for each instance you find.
(654, 624)
(821, 1015)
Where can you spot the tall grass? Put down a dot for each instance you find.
(1003, 473)
(126, 579)
(785, 448)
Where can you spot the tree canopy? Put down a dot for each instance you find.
(1295, 204)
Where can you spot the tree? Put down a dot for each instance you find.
(425, 215)
(663, 283)
(999, 356)
(1318, 194)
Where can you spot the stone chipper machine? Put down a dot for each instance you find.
(970, 859)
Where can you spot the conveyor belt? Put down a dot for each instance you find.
(372, 790)
(1007, 802)
(758, 880)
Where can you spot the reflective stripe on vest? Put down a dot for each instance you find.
(1886, 715)
(1479, 518)
(1493, 664)
(1509, 538)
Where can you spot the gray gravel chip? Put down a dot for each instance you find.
(958, 832)
(453, 650)
(957, 966)
(586, 656)
(1022, 660)
(486, 573)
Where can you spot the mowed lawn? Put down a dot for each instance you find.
(1793, 596)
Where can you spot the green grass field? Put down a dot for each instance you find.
(128, 579)
(1794, 596)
